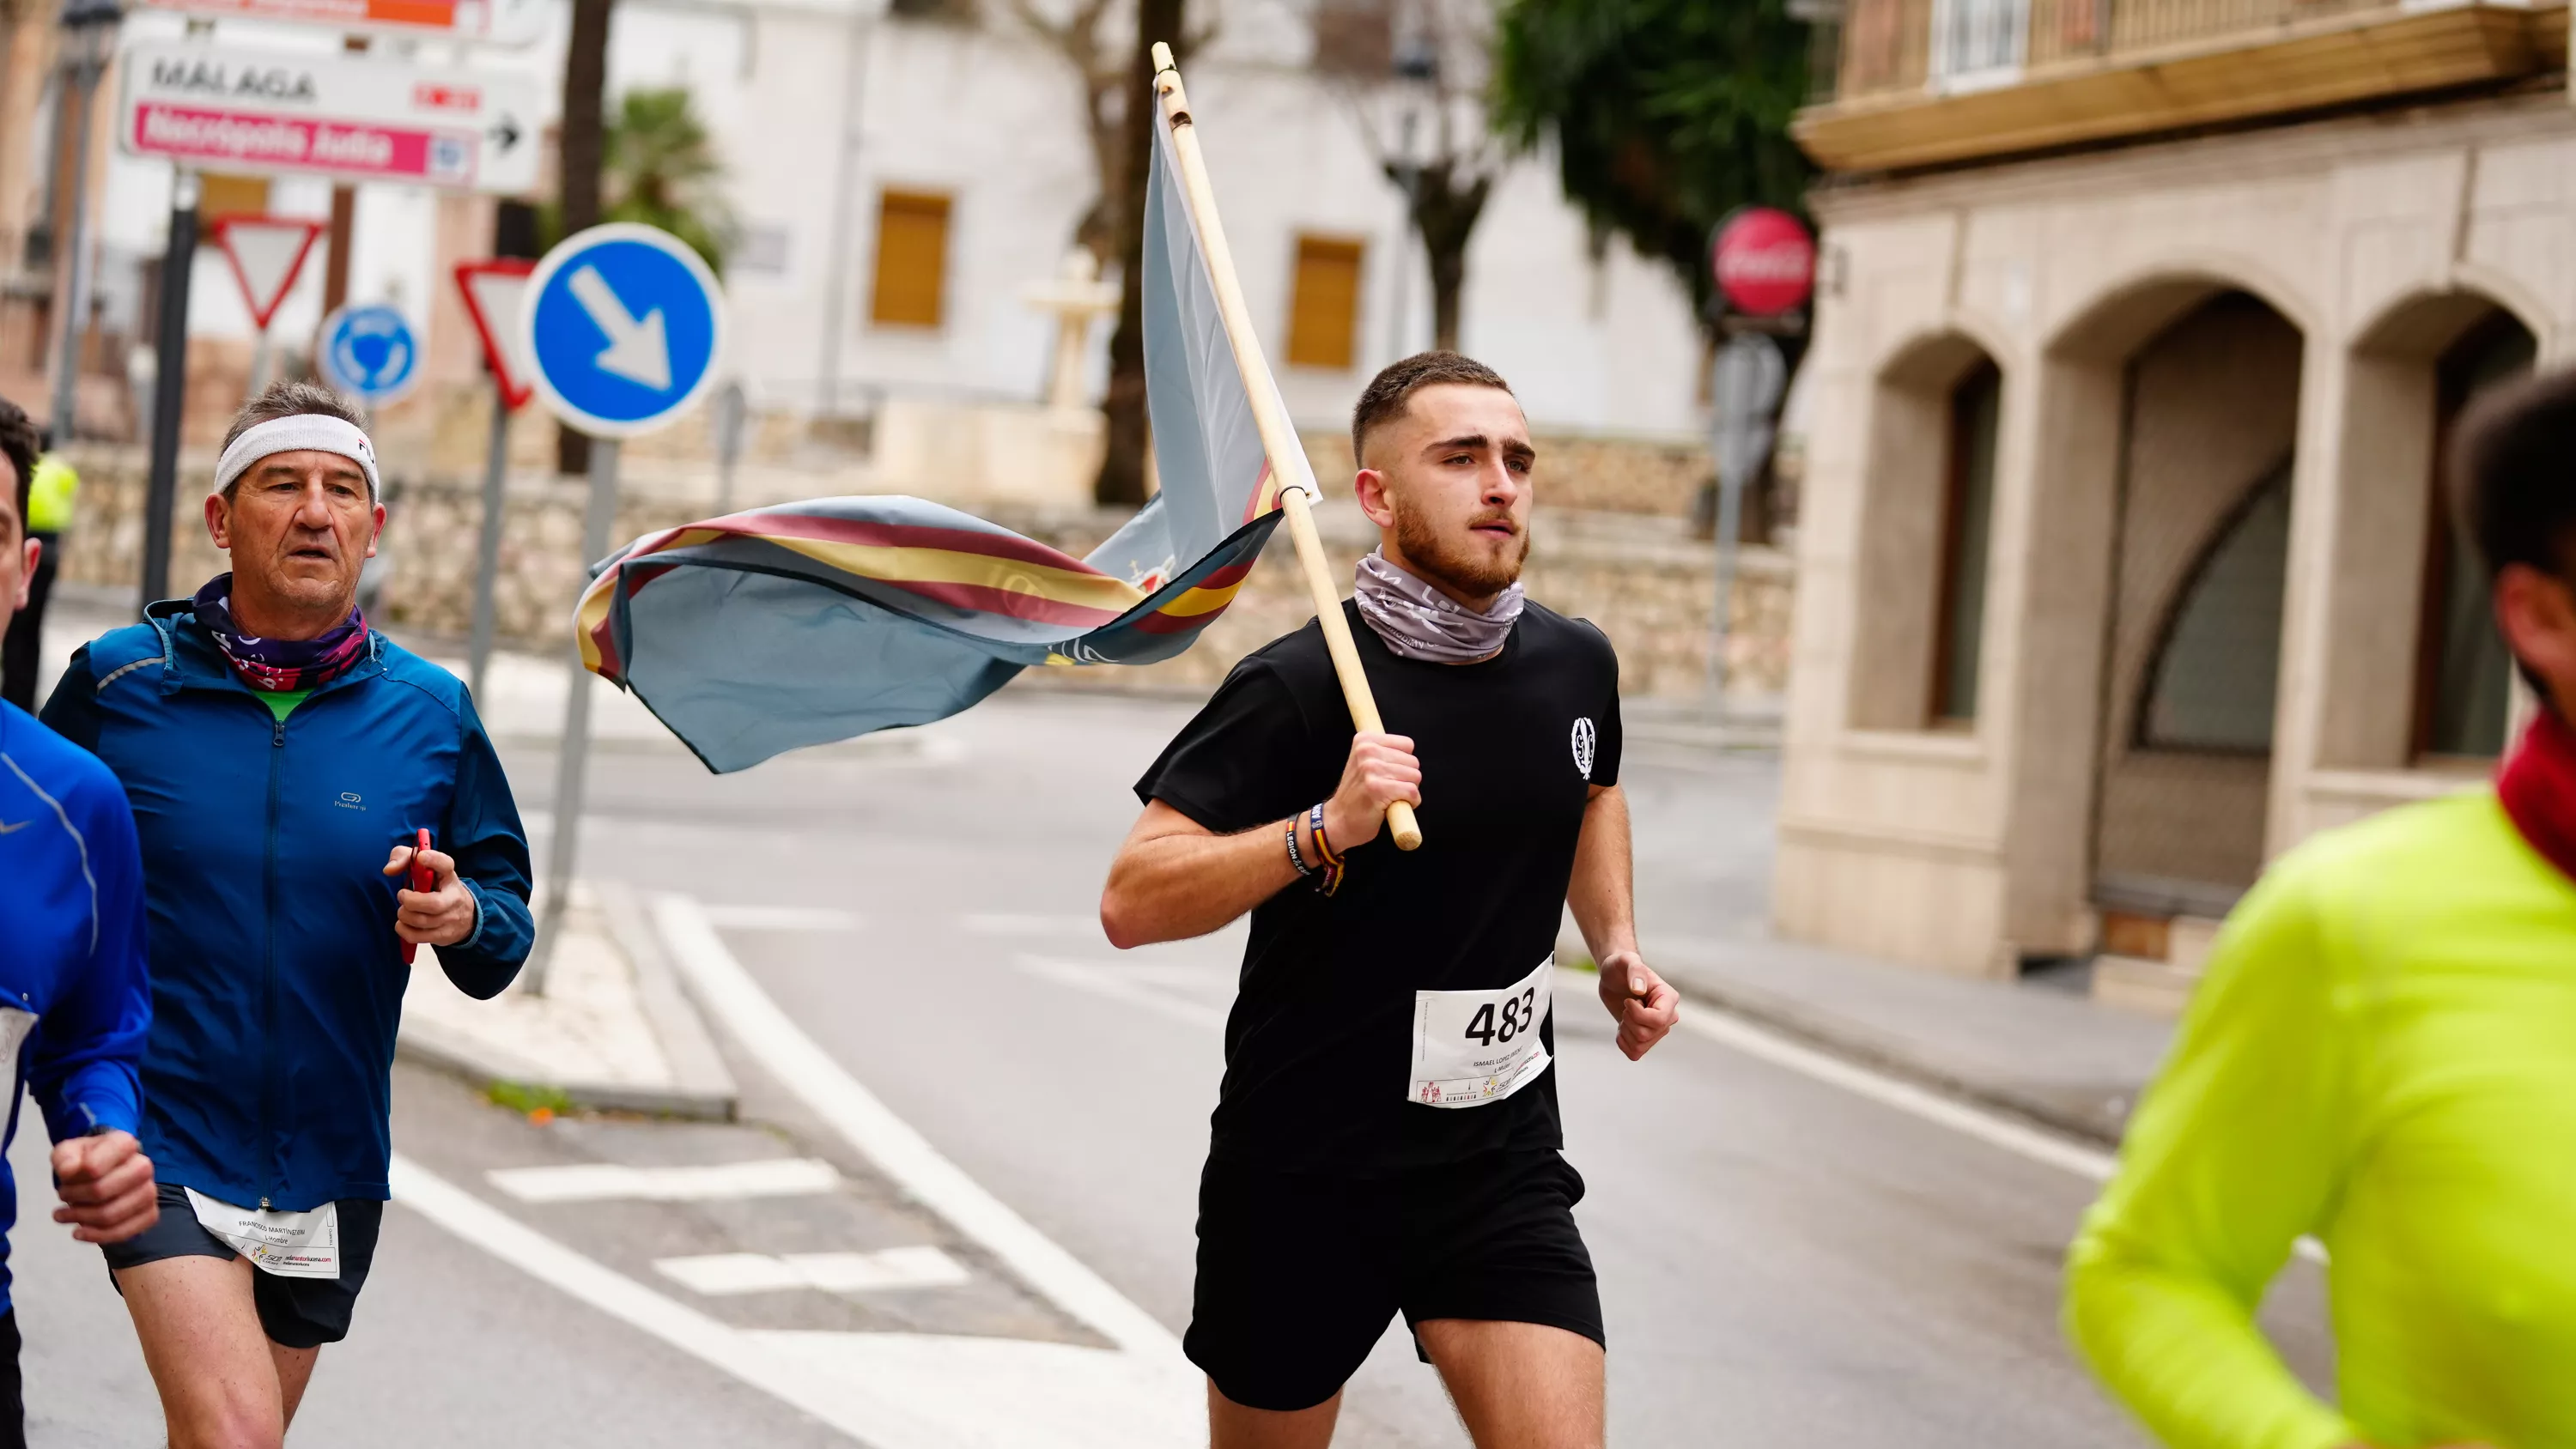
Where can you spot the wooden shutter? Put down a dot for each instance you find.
(1324, 309)
(912, 258)
(220, 196)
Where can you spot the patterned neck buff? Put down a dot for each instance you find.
(277, 665)
(1418, 621)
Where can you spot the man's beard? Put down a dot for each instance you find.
(1449, 563)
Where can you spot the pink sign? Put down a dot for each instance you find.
(269, 142)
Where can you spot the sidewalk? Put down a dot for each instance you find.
(2038, 1050)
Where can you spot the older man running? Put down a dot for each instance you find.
(281, 757)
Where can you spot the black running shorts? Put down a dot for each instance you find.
(1299, 1272)
(294, 1312)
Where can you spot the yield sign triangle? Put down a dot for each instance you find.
(266, 252)
(494, 292)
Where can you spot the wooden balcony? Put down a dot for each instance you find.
(1929, 82)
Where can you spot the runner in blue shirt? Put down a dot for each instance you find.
(74, 1001)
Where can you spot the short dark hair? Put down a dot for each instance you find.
(2509, 476)
(288, 398)
(18, 445)
(1382, 401)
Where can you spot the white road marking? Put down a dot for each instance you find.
(2089, 1163)
(890, 1269)
(1133, 985)
(729, 994)
(781, 918)
(1000, 923)
(2092, 1164)
(599, 1181)
(885, 1390)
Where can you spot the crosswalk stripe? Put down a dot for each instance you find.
(721, 1274)
(599, 1181)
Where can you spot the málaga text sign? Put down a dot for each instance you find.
(334, 115)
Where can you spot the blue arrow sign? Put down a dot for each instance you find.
(623, 324)
(370, 353)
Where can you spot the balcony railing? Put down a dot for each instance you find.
(1923, 82)
(1904, 45)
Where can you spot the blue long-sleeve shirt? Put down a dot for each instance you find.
(75, 1003)
(277, 979)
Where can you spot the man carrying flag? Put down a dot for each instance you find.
(1386, 1138)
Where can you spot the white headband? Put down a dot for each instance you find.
(319, 432)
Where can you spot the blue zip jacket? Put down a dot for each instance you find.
(71, 944)
(277, 979)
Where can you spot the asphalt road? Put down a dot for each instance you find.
(1782, 1261)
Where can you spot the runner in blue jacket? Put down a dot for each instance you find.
(281, 756)
(73, 1002)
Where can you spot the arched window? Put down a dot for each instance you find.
(1967, 523)
(2211, 685)
(2463, 674)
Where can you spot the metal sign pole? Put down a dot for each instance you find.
(487, 558)
(572, 764)
(1746, 388)
(169, 388)
(84, 74)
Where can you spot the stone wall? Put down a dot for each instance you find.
(1639, 575)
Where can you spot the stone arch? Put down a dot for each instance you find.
(2127, 313)
(1909, 554)
(2086, 626)
(2388, 525)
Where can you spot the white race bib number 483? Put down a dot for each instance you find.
(1474, 1047)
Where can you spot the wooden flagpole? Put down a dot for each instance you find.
(1278, 438)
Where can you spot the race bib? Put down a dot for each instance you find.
(16, 1025)
(1474, 1047)
(290, 1245)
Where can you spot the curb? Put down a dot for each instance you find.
(1864, 1049)
(702, 1088)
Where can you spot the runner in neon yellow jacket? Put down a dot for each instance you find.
(2382, 1054)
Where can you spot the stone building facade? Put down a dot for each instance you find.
(2123, 562)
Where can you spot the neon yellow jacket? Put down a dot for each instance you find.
(2382, 1054)
(49, 495)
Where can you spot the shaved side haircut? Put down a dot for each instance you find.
(1382, 401)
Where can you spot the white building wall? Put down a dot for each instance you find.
(994, 118)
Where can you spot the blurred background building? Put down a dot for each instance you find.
(2122, 561)
(884, 190)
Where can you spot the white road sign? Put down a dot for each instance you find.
(331, 115)
(500, 22)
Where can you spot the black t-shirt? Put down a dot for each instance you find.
(1318, 1048)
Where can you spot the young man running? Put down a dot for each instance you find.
(282, 757)
(1386, 1138)
(73, 1003)
(2382, 1055)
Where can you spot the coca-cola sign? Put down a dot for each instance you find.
(1764, 260)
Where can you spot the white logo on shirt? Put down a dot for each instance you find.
(1583, 747)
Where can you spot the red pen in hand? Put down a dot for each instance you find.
(424, 880)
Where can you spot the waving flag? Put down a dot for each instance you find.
(770, 629)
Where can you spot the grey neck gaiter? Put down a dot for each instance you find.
(1418, 621)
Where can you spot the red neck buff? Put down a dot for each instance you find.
(2537, 787)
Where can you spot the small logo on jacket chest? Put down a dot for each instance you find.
(349, 801)
(1583, 746)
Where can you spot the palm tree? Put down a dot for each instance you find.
(661, 168)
